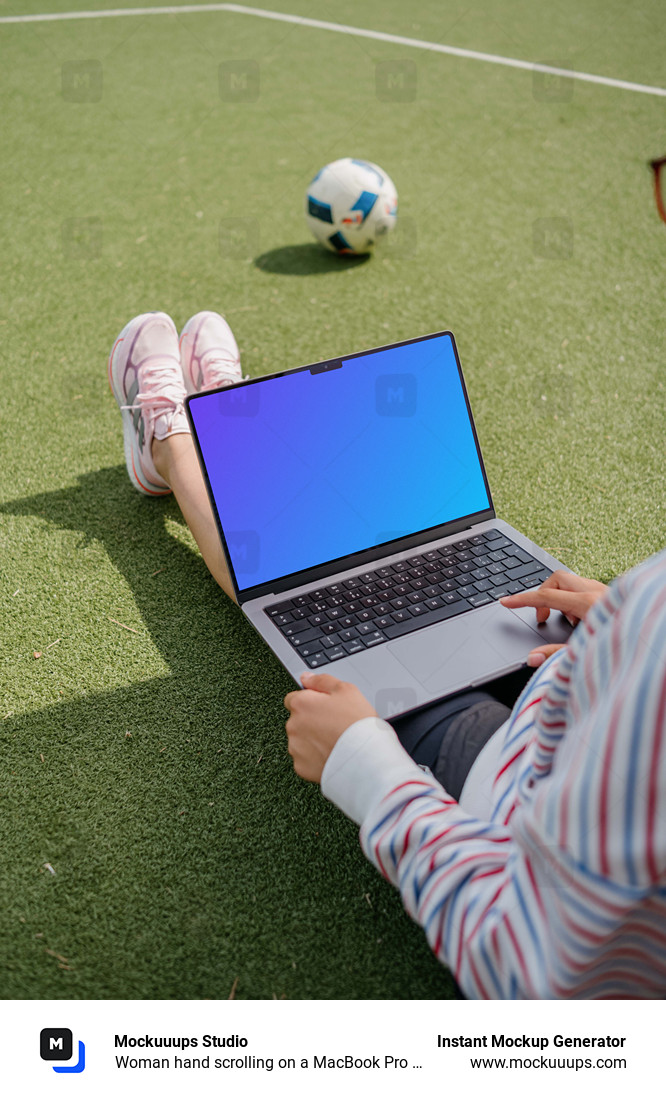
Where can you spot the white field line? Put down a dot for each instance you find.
(341, 28)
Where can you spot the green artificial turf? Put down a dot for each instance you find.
(145, 764)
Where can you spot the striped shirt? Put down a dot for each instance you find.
(562, 892)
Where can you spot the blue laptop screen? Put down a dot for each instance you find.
(308, 467)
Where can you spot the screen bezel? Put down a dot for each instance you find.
(359, 557)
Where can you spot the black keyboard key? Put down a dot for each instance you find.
(467, 566)
(477, 540)
(383, 622)
(495, 567)
(373, 639)
(328, 641)
(336, 653)
(480, 574)
(510, 562)
(385, 571)
(434, 602)
(400, 567)
(497, 555)
(346, 621)
(294, 628)
(282, 620)
(448, 586)
(483, 586)
(366, 578)
(480, 599)
(353, 582)
(402, 589)
(302, 601)
(304, 636)
(414, 597)
(522, 555)
(329, 628)
(401, 616)
(514, 586)
(438, 616)
(355, 646)
(365, 628)
(316, 660)
(280, 608)
(399, 603)
(451, 597)
(499, 541)
(317, 620)
(348, 634)
(298, 613)
(432, 590)
(335, 613)
(365, 616)
(382, 609)
(310, 648)
(501, 590)
(368, 589)
(483, 560)
(464, 555)
(467, 591)
(532, 581)
(418, 609)
(463, 544)
(432, 567)
(520, 571)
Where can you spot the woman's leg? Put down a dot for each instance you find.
(176, 461)
(448, 735)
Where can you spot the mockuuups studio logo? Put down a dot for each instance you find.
(56, 1045)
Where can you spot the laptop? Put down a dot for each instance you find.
(355, 514)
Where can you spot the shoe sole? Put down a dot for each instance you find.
(132, 456)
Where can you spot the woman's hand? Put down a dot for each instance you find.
(562, 591)
(319, 715)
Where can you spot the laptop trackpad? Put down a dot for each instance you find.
(460, 651)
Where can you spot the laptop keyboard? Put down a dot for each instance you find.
(377, 606)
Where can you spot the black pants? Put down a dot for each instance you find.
(448, 735)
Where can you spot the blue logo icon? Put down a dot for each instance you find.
(56, 1045)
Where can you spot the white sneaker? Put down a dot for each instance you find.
(209, 354)
(147, 382)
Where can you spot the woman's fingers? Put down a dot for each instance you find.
(562, 591)
(570, 603)
(537, 656)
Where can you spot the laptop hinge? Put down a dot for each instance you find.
(357, 561)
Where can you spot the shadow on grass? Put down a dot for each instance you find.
(186, 852)
(306, 259)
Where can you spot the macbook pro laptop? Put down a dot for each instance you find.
(356, 518)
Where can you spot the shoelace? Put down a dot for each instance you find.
(155, 398)
(218, 369)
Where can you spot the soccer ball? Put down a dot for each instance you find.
(350, 205)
